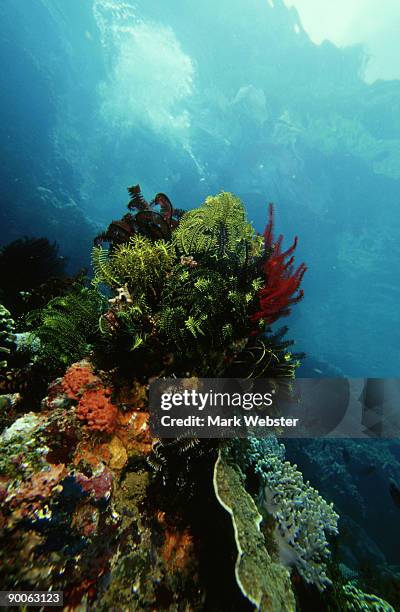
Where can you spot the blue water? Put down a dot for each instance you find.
(189, 99)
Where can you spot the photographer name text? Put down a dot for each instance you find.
(246, 420)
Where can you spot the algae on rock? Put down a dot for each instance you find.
(265, 583)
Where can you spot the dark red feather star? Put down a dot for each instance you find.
(281, 289)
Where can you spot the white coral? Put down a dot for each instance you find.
(303, 517)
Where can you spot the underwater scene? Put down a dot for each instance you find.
(194, 192)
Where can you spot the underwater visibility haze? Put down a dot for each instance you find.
(193, 190)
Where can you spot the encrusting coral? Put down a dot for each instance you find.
(77, 379)
(97, 410)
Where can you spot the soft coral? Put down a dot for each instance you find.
(282, 282)
(96, 408)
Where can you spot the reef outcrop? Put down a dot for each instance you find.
(90, 503)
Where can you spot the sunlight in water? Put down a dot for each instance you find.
(150, 76)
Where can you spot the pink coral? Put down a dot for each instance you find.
(96, 408)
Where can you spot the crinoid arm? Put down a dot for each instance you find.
(137, 201)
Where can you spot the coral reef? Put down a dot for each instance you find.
(192, 293)
(264, 583)
(79, 512)
(168, 302)
(7, 335)
(302, 516)
(357, 601)
(57, 478)
(90, 503)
